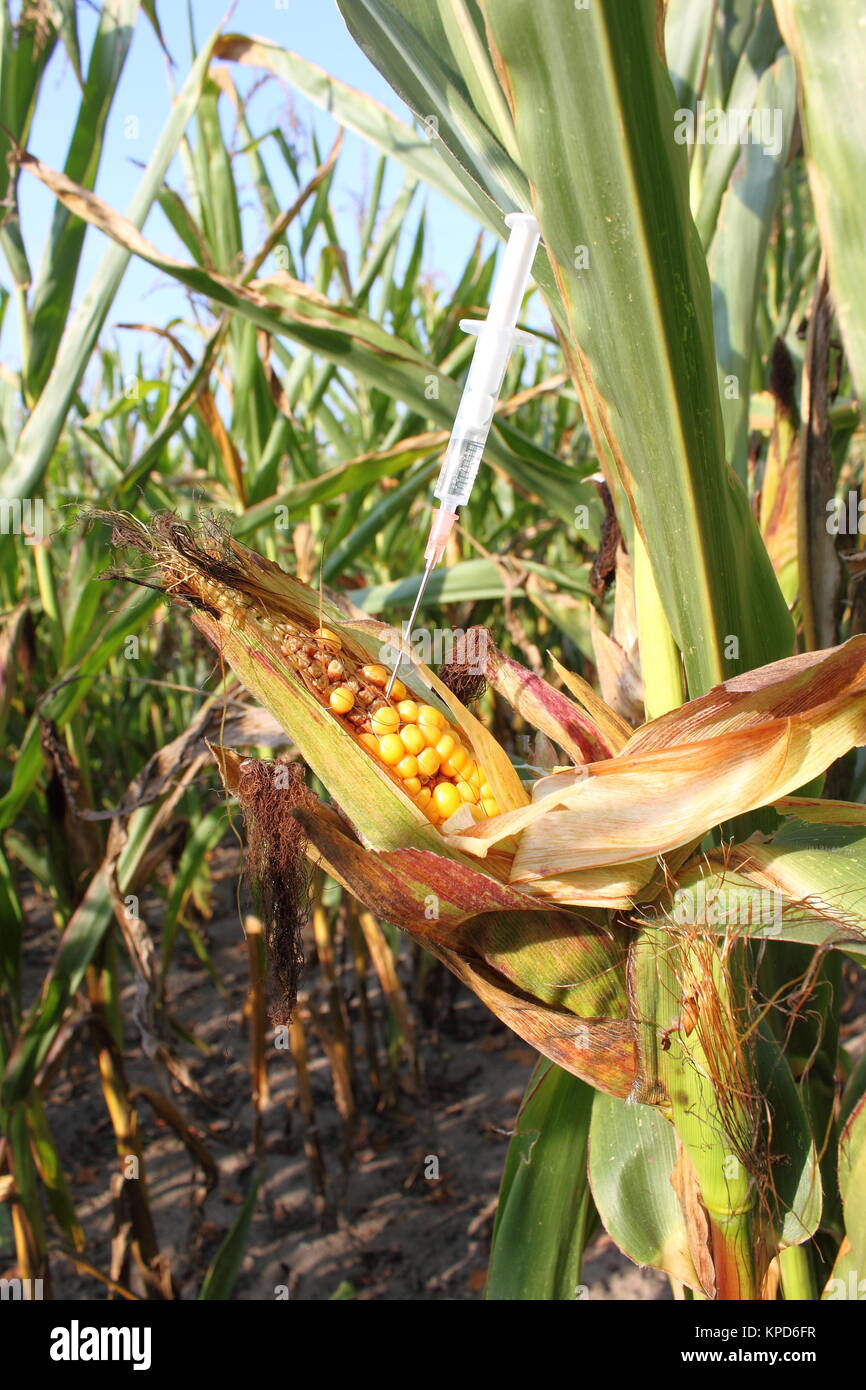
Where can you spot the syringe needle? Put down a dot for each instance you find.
(428, 570)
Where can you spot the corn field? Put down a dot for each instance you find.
(602, 842)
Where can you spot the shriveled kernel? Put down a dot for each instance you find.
(412, 785)
(428, 762)
(385, 721)
(427, 714)
(341, 700)
(408, 711)
(408, 766)
(391, 750)
(376, 675)
(413, 739)
(446, 799)
(335, 669)
(489, 806)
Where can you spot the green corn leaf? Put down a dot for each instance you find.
(467, 581)
(852, 1181)
(828, 42)
(355, 110)
(50, 1168)
(52, 294)
(545, 1211)
(806, 884)
(222, 1275)
(738, 251)
(717, 160)
(409, 44)
(689, 29)
(846, 1277)
(25, 51)
(632, 1151)
(38, 439)
(614, 216)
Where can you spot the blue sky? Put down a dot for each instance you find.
(313, 28)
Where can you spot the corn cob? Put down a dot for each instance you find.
(412, 741)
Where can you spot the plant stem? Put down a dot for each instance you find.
(798, 1278)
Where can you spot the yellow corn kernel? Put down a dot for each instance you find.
(489, 806)
(476, 777)
(408, 766)
(446, 799)
(485, 791)
(428, 715)
(428, 762)
(408, 711)
(446, 745)
(385, 721)
(370, 741)
(413, 739)
(423, 797)
(431, 733)
(341, 700)
(325, 634)
(412, 785)
(376, 675)
(467, 792)
(399, 691)
(455, 761)
(391, 750)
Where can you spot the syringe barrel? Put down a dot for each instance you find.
(460, 465)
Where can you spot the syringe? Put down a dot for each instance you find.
(495, 337)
